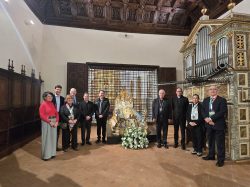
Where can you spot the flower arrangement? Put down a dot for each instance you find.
(135, 137)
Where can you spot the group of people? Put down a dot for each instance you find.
(68, 113)
(205, 120)
(57, 112)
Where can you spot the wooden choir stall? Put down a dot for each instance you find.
(19, 105)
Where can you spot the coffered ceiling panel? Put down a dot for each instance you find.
(169, 17)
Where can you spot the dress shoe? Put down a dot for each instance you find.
(199, 154)
(159, 145)
(58, 149)
(165, 145)
(208, 158)
(89, 143)
(97, 141)
(53, 157)
(104, 141)
(175, 145)
(83, 143)
(183, 147)
(76, 149)
(219, 164)
(65, 150)
(194, 152)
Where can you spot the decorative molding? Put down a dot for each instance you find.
(243, 132)
(244, 150)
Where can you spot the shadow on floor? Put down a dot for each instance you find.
(18, 177)
(34, 148)
(203, 179)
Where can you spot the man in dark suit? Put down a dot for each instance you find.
(87, 110)
(179, 107)
(101, 115)
(73, 93)
(161, 113)
(58, 101)
(214, 113)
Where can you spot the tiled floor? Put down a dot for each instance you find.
(111, 165)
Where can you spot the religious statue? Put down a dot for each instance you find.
(125, 115)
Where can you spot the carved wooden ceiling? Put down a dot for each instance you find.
(170, 17)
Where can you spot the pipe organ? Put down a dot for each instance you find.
(203, 52)
(216, 44)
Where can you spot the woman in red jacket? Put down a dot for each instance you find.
(49, 121)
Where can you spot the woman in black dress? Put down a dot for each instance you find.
(69, 116)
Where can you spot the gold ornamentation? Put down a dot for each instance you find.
(124, 114)
(188, 93)
(240, 41)
(240, 59)
(231, 5)
(203, 11)
(197, 90)
(230, 34)
(212, 42)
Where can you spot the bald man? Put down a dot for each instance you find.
(73, 93)
(161, 112)
(214, 113)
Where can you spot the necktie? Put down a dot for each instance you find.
(211, 103)
(161, 105)
(100, 107)
(87, 107)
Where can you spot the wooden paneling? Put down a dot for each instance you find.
(166, 75)
(17, 94)
(4, 85)
(19, 105)
(5, 119)
(77, 77)
(36, 92)
(28, 93)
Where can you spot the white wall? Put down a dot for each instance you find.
(49, 48)
(63, 44)
(18, 41)
(243, 7)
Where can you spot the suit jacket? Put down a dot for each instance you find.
(86, 109)
(104, 109)
(62, 100)
(200, 120)
(166, 109)
(220, 109)
(76, 102)
(179, 107)
(64, 113)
